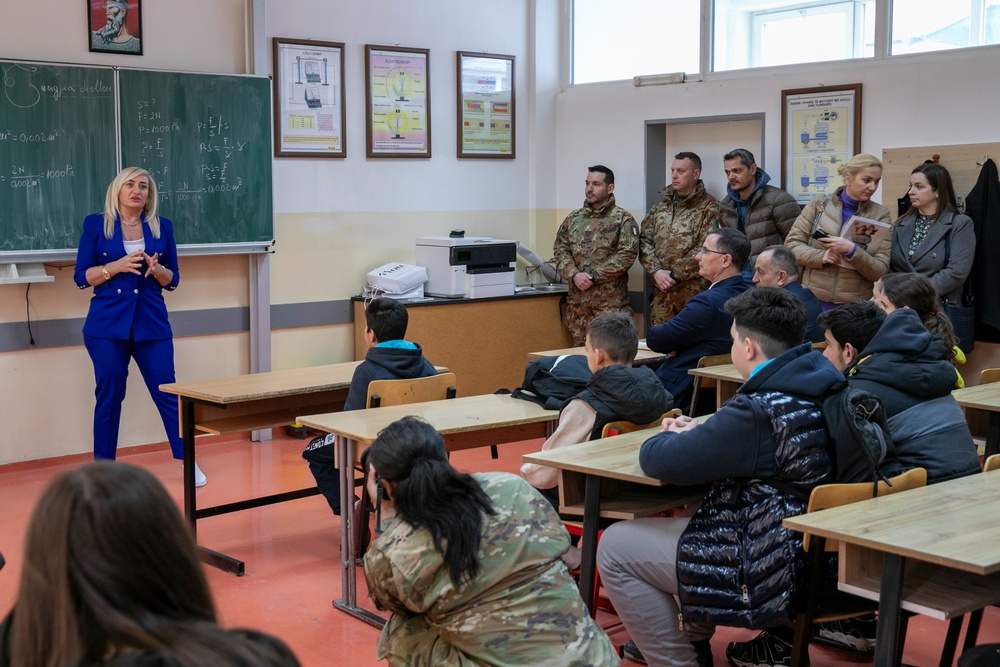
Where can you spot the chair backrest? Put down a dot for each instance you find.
(989, 375)
(715, 360)
(819, 345)
(383, 393)
(992, 463)
(619, 427)
(826, 496)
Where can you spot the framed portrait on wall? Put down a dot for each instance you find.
(309, 112)
(820, 129)
(397, 101)
(115, 26)
(485, 106)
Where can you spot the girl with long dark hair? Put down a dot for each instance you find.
(469, 565)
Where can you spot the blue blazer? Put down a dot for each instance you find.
(127, 305)
(700, 329)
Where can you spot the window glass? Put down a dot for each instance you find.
(764, 33)
(626, 38)
(931, 25)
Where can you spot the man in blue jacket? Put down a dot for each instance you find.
(702, 327)
(389, 357)
(776, 267)
(771, 431)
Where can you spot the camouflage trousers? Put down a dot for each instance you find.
(578, 315)
(667, 304)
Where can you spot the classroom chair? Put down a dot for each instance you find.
(706, 383)
(979, 419)
(385, 393)
(576, 527)
(823, 497)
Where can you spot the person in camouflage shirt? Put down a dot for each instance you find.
(671, 238)
(594, 248)
(470, 565)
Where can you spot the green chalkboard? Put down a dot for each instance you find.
(57, 152)
(207, 142)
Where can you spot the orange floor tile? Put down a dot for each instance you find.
(292, 552)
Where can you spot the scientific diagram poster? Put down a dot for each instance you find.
(398, 105)
(309, 115)
(485, 105)
(822, 130)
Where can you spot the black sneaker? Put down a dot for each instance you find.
(771, 648)
(631, 651)
(702, 650)
(854, 634)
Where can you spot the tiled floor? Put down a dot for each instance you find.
(292, 552)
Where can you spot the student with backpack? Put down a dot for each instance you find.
(615, 392)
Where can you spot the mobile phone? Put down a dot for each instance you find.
(820, 234)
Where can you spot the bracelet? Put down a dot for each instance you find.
(104, 272)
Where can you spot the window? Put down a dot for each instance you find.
(932, 25)
(763, 33)
(622, 39)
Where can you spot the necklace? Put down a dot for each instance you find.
(132, 224)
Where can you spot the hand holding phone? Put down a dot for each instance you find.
(820, 234)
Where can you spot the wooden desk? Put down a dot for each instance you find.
(727, 380)
(466, 423)
(642, 358)
(246, 403)
(984, 397)
(942, 537)
(602, 479)
(483, 341)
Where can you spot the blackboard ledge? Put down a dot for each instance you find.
(11, 274)
(69, 254)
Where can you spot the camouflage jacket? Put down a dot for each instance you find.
(603, 243)
(673, 232)
(522, 609)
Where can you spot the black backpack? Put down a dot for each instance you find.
(551, 381)
(863, 449)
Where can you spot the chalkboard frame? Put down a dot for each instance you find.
(17, 256)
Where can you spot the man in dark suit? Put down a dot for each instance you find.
(701, 328)
(776, 267)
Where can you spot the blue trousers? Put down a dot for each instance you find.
(155, 359)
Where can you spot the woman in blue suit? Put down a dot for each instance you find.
(128, 255)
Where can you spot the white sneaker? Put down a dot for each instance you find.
(199, 476)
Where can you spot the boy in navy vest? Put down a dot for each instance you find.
(389, 357)
(615, 392)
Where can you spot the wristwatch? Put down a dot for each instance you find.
(104, 272)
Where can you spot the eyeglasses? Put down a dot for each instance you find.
(714, 252)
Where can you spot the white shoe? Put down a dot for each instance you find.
(199, 476)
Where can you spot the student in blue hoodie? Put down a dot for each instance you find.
(761, 211)
(389, 357)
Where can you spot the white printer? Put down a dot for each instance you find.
(467, 266)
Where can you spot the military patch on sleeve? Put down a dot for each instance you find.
(635, 230)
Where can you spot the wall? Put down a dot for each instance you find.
(334, 219)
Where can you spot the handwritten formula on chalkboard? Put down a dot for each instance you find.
(57, 152)
(206, 140)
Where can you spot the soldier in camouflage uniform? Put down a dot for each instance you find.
(595, 247)
(520, 608)
(671, 237)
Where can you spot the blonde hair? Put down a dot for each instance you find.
(111, 210)
(857, 163)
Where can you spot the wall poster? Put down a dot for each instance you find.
(309, 114)
(398, 103)
(485, 106)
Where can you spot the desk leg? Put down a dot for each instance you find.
(187, 435)
(993, 435)
(348, 602)
(207, 556)
(889, 611)
(588, 544)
